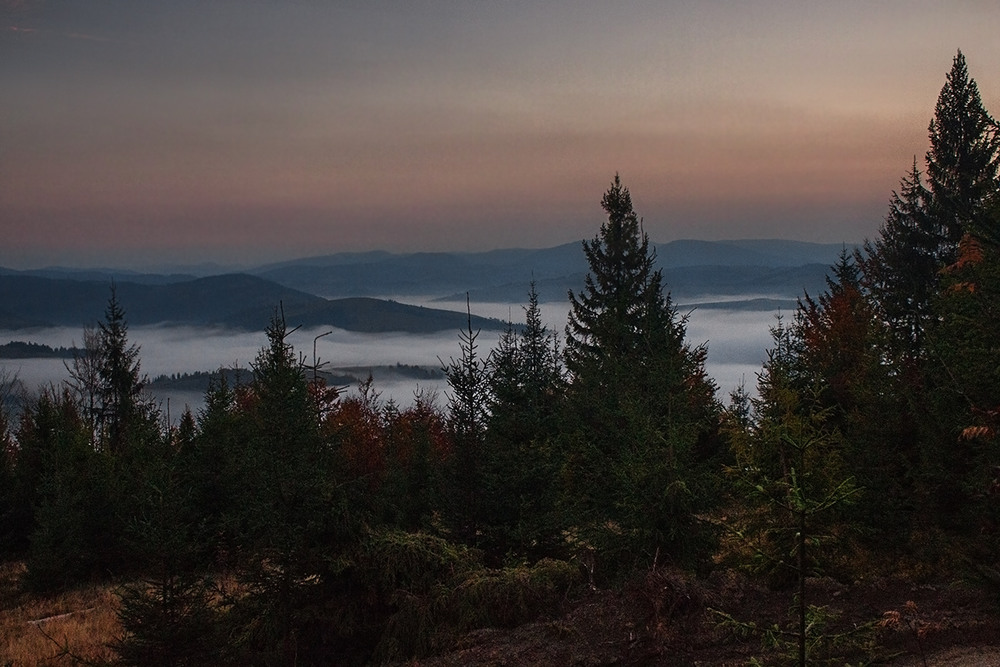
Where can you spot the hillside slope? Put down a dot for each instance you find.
(237, 301)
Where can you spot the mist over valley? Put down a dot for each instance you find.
(390, 312)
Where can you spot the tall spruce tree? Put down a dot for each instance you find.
(964, 157)
(124, 415)
(525, 387)
(290, 511)
(467, 380)
(641, 412)
(609, 319)
(900, 268)
(924, 225)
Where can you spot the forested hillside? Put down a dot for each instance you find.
(287, 524)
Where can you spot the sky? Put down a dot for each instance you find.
(136, 133)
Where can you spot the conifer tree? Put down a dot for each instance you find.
(789, 479)
(11, 526)
(467, 379)
(641, 412)
(75, 523)
(960, 374)
(525, 385)
(123, 410)
(900, 268)
(166, 617)
(964, 158)
(418, 442)
(622, 292)
(212, 464)
(838, 352)
(961, 460)
(922, 231)
(290, 509)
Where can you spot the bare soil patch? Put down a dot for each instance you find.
(667, 618)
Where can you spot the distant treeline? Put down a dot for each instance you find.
(19, 349)
(335, 377)
(200, 380)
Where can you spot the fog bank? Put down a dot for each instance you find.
(737, 341)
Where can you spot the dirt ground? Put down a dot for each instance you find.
(665, 617)
(669, 618)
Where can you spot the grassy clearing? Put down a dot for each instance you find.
(40, 630)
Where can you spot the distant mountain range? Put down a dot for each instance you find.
(338, 290)
(692, 270)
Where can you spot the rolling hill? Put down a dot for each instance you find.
(237, 301)
(353, 290)
(691, 269)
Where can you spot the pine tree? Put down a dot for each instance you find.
(290, 509)
(964, 158)
(838, 334)
(74, 520)
(166, 618)
(789, 480)
(922, 231)
(120, 389)
(467, 379)
(12, 532)
(900, 268)
(418, 443)
(525, 387)
(961, 459)
(622, 292)
(212, 464)
(641, 411)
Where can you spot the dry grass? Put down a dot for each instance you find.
(40, 630)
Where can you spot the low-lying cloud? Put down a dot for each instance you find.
(737, 343)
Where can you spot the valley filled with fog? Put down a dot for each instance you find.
(737, 341)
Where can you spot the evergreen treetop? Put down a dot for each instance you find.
(622, 294)
(120, 385)
(964, 157)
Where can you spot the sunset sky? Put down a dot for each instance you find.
(143, 132)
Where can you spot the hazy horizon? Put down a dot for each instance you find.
(209, 265)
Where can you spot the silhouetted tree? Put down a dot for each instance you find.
(519, 476)
(839, 343)
(14, 524)
(124, 413)
(75, 521)
(291, 509)
(900, 268)
(641, 411)
(964, 158)
(467, 380)
(166, 617)
(962, 461)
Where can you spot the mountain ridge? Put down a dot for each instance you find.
(238, 301)
(357, 290)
